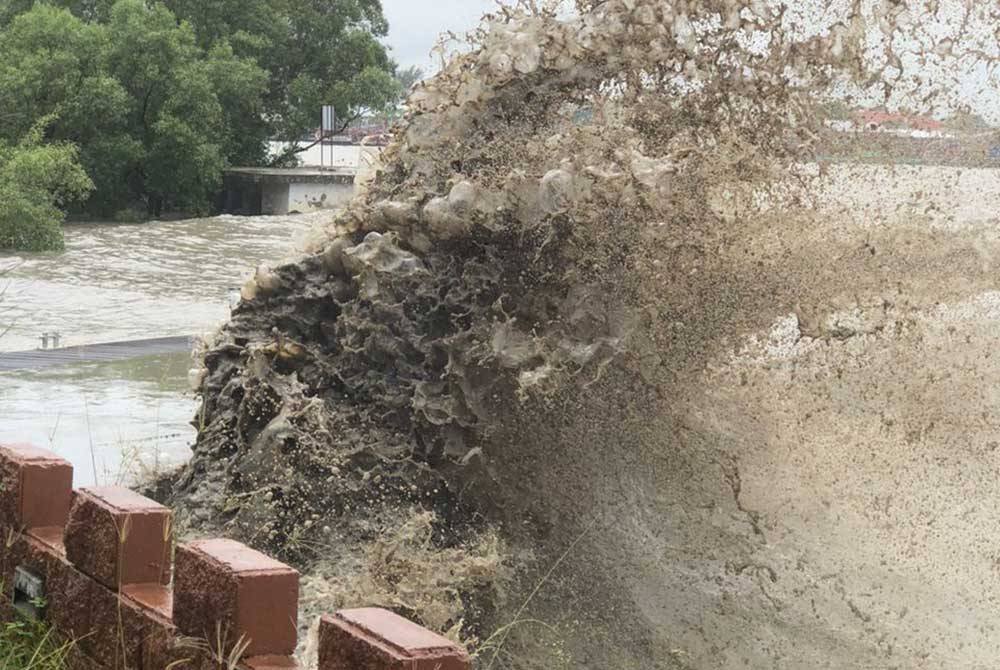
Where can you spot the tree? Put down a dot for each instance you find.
(409, 77)
(315, 52)
(156, 117)
(52, 61)
(36, 179)
(161, 96)
(54, 65)
(176, 112)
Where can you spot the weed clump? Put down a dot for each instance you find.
(31, 645)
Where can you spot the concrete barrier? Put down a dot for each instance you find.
(98, 565)
(374, 639)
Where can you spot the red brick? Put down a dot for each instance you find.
(161, 648)
(154, 606)
(119, 537)
(156, 599)
(221, 585)
(21, 550)
(36, 487)
(49, 536)
(181, 653)
(72, 598)
(115, 629)
(78, 607)
(110, 631)
(375, 639)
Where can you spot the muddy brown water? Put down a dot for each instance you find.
(117, 283)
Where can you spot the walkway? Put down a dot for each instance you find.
(93, 353)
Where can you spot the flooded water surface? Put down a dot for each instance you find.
(125, 282)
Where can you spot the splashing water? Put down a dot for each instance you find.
(600, 300)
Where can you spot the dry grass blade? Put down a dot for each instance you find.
(504, 632)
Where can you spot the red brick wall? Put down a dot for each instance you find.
(115, 585)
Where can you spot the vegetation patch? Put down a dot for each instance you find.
(153, 100)
(35, 180)
(31, 645)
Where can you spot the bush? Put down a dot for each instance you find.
(27, 222)
(35, 180)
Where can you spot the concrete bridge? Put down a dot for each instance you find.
(276, 191)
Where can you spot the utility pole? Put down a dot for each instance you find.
(327, 125)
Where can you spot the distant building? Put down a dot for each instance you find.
(879, 120)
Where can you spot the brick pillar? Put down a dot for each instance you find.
(36, 487)
(375, 639)
(224, 586)
(119, 538)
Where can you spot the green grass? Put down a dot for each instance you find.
(31, 645)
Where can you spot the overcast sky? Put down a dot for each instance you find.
(414, 25)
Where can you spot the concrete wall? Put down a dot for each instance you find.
(239, 196)
(277, 196)
(274, 198)
(306, 197)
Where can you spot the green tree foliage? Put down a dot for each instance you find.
(151, 111)
(181, 99)
(36, 180)
(315, 52)
(408, 77)
(161, 96)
